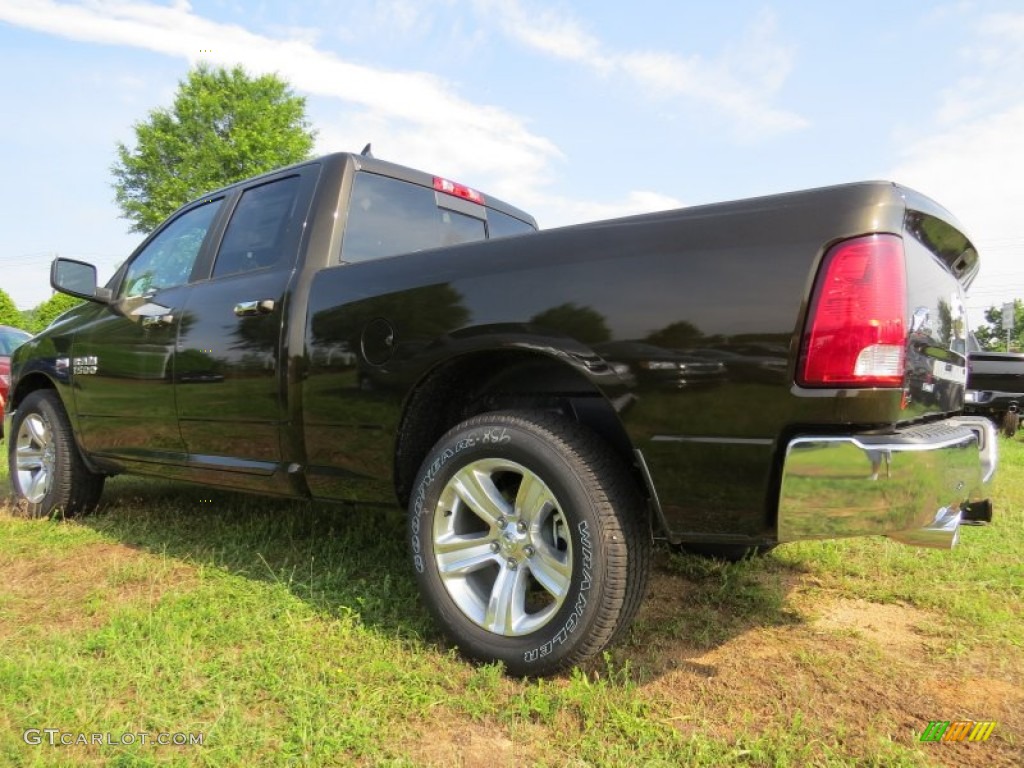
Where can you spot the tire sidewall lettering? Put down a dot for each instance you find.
(575, 618)
(418, 512)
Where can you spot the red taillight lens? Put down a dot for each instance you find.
(856, 328)
(458, 190)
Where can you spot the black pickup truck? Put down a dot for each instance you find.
(349, 329)
(995, 385)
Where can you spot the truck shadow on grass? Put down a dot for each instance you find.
(346, 560)
(341, 559)
(696, 604)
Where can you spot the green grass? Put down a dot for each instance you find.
(292, 634)
(978, 586)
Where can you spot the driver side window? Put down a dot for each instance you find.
(168, 259)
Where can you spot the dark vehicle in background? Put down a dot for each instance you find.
(766, 364)
(657, 367)
(348, 329)
(10, 339)
(995, 386)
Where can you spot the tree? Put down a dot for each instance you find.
(678, 335)
(581, 323)
(37, 318)
(224, 126)
(9, 314)
(993, 335)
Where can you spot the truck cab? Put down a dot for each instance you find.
(191, 364)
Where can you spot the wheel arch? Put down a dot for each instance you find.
(29, 383)
(36, 380)
(501, 379)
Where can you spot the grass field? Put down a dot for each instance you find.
(291, 634)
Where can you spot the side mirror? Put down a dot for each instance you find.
(77, 278)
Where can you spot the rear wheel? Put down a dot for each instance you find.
(47, 471)
(529, 541)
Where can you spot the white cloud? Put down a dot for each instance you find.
(973, 159)
(421, 109)
(547, 31)
(739, 84)
(560, 211)
(412, 117)
(402, 17)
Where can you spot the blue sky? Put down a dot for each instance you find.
(574, 111)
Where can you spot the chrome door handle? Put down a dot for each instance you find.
(250, 308)
(155, 321)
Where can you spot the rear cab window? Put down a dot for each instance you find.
(388, 216)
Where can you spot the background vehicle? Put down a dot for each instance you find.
(995, 386)
(349, 329)
(10, 339)
(747, 362)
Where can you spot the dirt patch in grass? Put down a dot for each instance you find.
(818, 664)
(976, 697)
(452, 740)
(894, 629)
(80, 589)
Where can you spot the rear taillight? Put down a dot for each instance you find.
(856, 329)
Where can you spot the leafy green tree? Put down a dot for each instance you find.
(430, 312)
(223, 126)
(37, 318)
(993, 335)
(581, 323)
(678, 335)
(9, 313)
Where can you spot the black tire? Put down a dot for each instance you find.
(730, 553)
(1011, 421)
(51, 477)
(551, 504)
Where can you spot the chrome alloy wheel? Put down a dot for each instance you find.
(502, 547)
(36, 457)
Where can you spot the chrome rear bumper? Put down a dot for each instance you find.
(910, 486)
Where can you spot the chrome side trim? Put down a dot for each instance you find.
(988, 443)
(909, 485)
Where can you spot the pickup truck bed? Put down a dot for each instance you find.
(727, 377)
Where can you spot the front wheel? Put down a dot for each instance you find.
(47, 472)
(529, 541)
